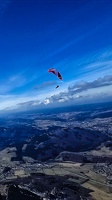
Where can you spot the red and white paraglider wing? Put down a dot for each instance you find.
(54, 71)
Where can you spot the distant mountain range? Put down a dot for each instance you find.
(44, 135)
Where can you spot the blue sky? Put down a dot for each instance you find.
(74, 37)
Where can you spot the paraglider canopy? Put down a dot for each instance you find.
(54, 71)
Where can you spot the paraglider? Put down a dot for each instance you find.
(54, 71)
(57, 86)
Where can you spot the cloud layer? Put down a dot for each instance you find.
(91, 85)
(78, 93)
(83, 85)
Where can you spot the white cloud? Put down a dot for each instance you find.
(46, 101)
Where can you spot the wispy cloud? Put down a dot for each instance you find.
(11, 83)
(93, 65)
(28, 104)
(102, 60)
(45, 85)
